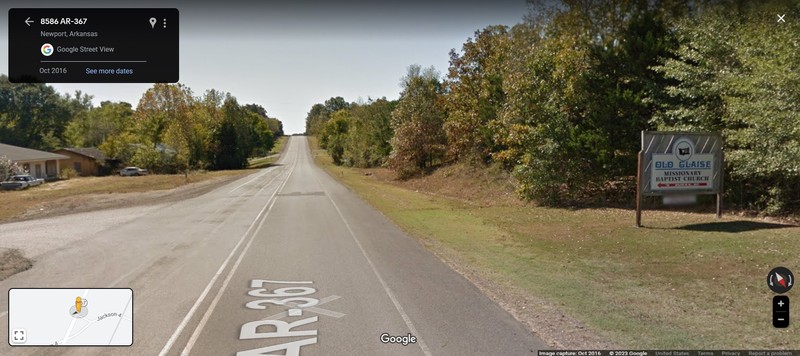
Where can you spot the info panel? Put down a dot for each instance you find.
(93, 45)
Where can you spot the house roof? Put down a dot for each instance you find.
(22, 154)
(91, 152)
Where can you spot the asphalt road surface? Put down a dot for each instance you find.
(282, 261)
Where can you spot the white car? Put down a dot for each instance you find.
(132, 171)
(21, 181)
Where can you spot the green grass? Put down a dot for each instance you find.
(686, 280)
(271, 157)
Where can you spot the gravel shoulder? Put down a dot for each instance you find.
(57, 223)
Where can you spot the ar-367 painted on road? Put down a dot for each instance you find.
(294, 296)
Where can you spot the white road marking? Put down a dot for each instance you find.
(389, 292)
(266, 170)
(212, 233)
(315, 309)
(214, 302)
(202, 296)
(212, 215)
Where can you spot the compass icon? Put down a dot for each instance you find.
(780, 280)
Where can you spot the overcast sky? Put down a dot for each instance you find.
(288, 55)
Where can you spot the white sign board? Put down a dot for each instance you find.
(679, 166)
(683, 169)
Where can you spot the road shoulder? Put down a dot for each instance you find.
(543, 318)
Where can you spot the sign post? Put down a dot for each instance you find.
(675, 164)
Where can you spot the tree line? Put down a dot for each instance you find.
(559, 100)
(170, 130)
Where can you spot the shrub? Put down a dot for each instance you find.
(68, 173)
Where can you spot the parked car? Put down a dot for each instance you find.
(21, 181)
(132, 171)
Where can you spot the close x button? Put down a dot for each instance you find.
(780, 311)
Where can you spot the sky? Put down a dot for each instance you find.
(289, 55)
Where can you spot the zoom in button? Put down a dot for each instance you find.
(780, 311)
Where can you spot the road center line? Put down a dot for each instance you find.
(202, 296)
(388, 291)
(254, 178)
(212, 233)
(210, 310)
(212, 215)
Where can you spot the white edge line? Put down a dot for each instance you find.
(210, 310)
(266, 170)
(202, 296)
(388, 291)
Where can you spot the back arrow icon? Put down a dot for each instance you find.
(28, 21)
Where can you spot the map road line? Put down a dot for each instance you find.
(120, 319)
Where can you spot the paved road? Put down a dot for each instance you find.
(211, 276)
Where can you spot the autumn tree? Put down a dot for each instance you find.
(579, 88)
(419, 140)
(736, 73)
(241, 134)
(370, 133)
(333, 136)
(321, 113)
(164, 116)
(475, 94)
(92, 127)
(275, 125)
(230, 149)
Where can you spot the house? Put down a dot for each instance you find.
(39, 164)
(85, 161)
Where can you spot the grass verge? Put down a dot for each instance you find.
(272, 156)
(684, 281)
